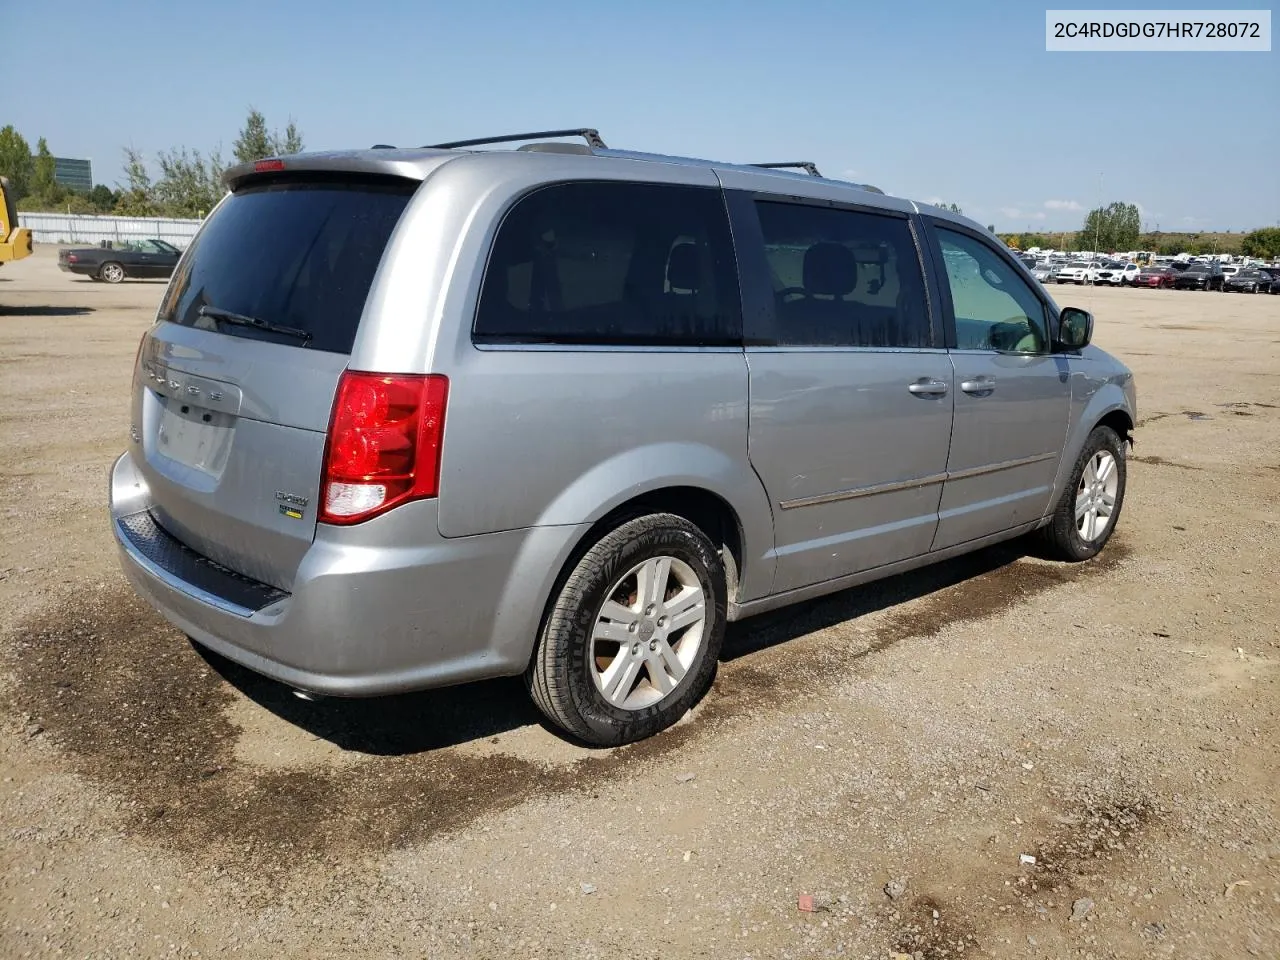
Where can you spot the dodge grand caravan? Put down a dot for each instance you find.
(409, 418)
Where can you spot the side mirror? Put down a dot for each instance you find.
(1075, 328)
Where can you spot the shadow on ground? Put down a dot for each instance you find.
(129, 706)
(395, 725)
(44, 311)
(416, 722)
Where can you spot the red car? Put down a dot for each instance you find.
(1155, 277)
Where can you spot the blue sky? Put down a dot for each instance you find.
(950, 101)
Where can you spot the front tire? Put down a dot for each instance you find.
(1086, 515)
(111, 272)
(633, 638)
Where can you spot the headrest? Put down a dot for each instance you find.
(830, 269)
(683, 268)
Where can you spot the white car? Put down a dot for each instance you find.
(1077, 271)
(1117, 274)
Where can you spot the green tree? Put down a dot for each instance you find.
(1113, 227)
(103, 198)
(189, 184)
(16, 162)
(256, 141)
(1264, 243)
(45, 189)
(137, 195)
(292, 141)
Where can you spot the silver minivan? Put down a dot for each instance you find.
(409, 418)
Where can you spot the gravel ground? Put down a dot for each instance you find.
(870, 776)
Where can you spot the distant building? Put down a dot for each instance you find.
(73, 174)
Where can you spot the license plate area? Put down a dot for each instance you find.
(193, 435)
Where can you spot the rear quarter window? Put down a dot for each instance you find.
(298, 253)
(612, 263)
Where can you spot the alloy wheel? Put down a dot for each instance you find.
(648, 633)
(1096, 496)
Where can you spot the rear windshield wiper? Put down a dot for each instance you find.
(226, 316)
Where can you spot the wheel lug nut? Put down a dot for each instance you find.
(662, 621)
(633, 627)
(653, 644)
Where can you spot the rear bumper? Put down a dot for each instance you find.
(84, 269)
(375, 608)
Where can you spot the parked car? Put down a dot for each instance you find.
(1229, 270)
(1155, 276)
(1043, 272)
(1077, 271)
(113, 263)
(1117, 274)
(457, 414)
(1250, 280)
(1201, 275)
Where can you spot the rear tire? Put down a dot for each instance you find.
(610, 678)
(1090, 506)
(111, 272)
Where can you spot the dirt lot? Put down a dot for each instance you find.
(1115, 720)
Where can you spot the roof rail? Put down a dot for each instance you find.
(808, 166)
(591, 136)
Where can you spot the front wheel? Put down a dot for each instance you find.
(634, 636)
(1090, 506)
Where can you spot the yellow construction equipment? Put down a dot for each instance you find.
(15, 241)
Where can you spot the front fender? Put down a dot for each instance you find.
(613, 482)
(1097, 390)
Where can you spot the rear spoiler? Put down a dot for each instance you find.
(404, 164)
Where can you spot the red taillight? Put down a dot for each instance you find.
(72, 258)
(267, 166)
(383, 446)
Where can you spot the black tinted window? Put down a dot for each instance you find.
(612, 263)
(843, 278)
(296, 253)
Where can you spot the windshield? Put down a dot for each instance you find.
(297, 253)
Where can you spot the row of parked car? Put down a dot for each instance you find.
(1199, 275)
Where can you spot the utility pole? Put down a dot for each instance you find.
(1097, 224)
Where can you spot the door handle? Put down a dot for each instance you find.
(927, 387)
(980, 385)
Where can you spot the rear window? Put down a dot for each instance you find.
(298, 253)
(612, 263)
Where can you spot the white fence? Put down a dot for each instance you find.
(90, 231)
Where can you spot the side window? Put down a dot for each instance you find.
(612, 263)
(995, 309)
(843, 278)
